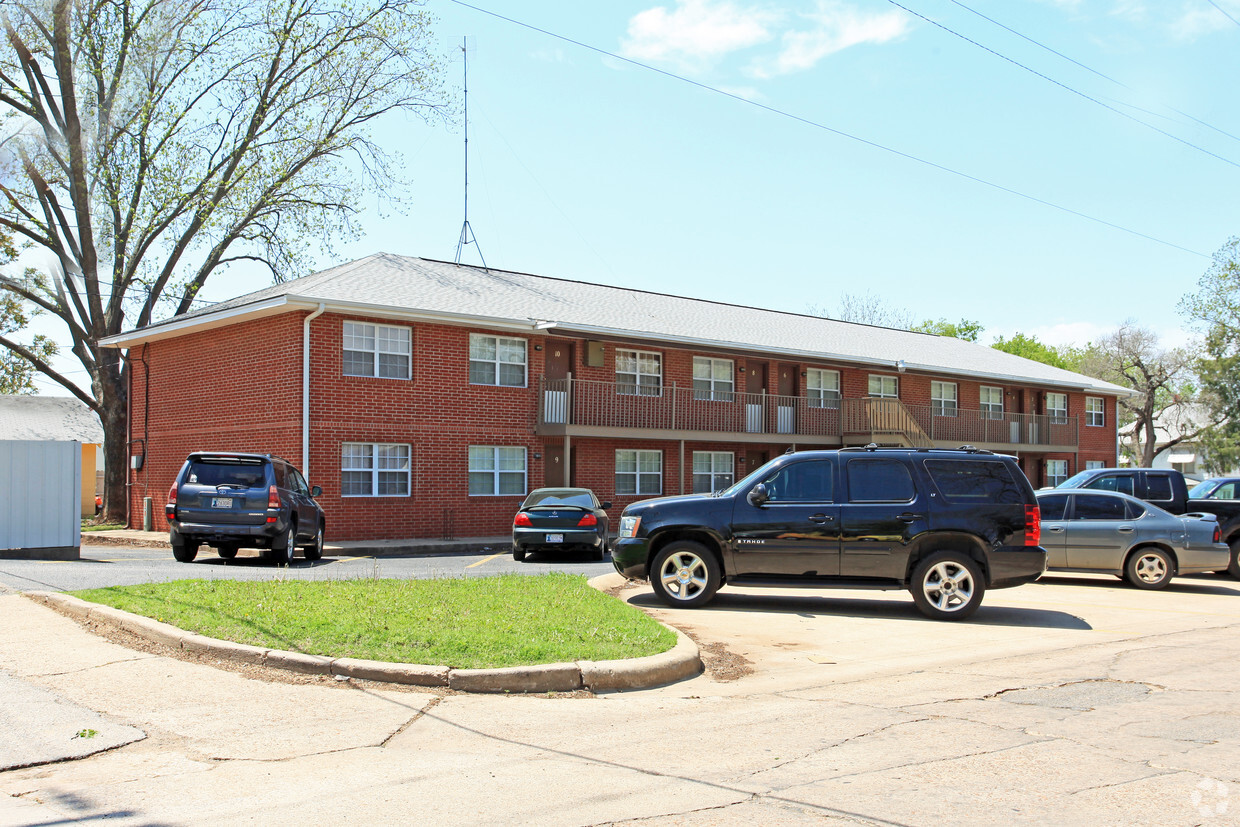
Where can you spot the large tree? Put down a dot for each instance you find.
(1216, 307)
(150, 143)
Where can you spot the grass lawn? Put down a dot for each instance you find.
(89, 524)
(466, 623)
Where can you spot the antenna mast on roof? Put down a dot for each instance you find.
(467, 232)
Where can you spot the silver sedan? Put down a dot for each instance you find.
(1112, 533)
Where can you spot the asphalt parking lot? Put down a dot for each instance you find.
(1075, 700)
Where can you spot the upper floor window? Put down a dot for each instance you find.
(496, 360)
(712, 378)
(991, 402)
(1057, 408)
(712, 471)
(943, 398)
(374, 470)
(496, 471)
(1095, 411)
(377, 350)
(884, 387)
(822, 387)
(639, 372)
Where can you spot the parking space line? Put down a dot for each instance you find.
(486, 560)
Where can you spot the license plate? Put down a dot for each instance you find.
(221, 502)
(555, 538)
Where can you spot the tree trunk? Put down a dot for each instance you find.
(112, 393)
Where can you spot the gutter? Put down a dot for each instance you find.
(305, 388)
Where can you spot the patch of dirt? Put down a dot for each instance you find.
(721, 664)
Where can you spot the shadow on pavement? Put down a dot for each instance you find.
(1187, 584)
(811, 606)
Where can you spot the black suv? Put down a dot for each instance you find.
(944, 524)
(231, 500)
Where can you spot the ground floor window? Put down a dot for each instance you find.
(639, 472)
(374, 469)
(1091, 464)
(1056, 471)
(496, 471)
(712, 471)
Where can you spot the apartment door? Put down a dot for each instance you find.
(557, 472)
(559, 363)
(755, 386)
(785, 410)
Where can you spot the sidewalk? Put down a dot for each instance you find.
(411, 547)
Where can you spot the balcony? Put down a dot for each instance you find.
(576, 407)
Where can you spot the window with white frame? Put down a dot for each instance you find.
(378, 350)
(1091, 464)
(639, 373)
(1057, 408)
(943, 398)
(639, 472)
(991, 402)
(712, 378)
(1056, 471)
(374, 469)
(712, 471)
(496, 471)
(496, 360)
(822, 387)
(1095, 411)
(884, 387)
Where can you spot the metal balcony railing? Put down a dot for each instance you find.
(565, 402)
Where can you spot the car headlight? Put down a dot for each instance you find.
(629, 525)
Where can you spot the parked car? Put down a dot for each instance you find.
(946, 525)
(1168, 490)
(1113, 533)
(233, 500)
(560, 519)
(1219, 488)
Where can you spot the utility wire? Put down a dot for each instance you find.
(1224, 11)
(1065, 87)
(817, 125)
(1096, 72)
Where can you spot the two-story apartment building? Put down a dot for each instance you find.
(426, 398)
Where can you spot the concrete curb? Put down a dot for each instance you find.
(680, 662)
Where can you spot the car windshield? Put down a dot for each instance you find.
(1077, 481)
(247, 475)
(551, 499)
(1202, 490)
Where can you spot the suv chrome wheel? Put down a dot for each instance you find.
(947, 586)
(685, 574)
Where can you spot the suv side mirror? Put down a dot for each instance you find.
(757, 495)
(316, 491)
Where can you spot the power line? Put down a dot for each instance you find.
(1095, 71)
(832, 130)
(1224, 11)
(1064, 86)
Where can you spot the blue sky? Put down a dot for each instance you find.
(587, 167)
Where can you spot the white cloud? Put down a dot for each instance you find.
(696, 32)
(833, 27)
(1198, 21)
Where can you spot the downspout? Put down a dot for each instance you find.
(305, 388)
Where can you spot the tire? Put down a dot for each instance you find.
(1149, 568)
(227, 552)
(283, 554)
(1233, 567)
(685, 574)
(314, 550)
(947, 585)
(184, 551)
(518, 554)
(599, 553)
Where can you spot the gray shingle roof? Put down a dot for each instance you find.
(48, 418)
(401, 284)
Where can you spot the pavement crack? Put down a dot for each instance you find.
(95, 666)
(417, 716)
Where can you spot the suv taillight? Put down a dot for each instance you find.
(273, 503)
(1033, 525)
(170, 509)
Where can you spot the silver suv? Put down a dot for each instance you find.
(231, 500)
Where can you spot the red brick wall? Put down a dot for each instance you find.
(238, 387)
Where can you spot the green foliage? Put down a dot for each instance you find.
(963, 329)
(1216, 307)
(510, 620)
(16, 369)
(1030, 348)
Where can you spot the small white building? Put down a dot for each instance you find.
(58, 419)
(1188, 456)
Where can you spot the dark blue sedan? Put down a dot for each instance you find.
(560, 520)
